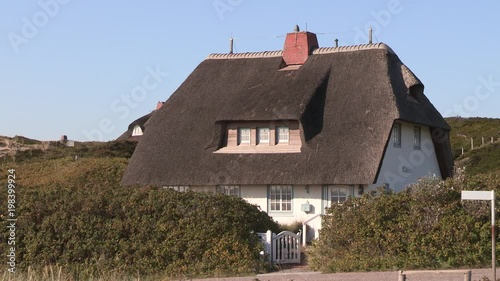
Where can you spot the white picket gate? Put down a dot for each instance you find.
(283, 247)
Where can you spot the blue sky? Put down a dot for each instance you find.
(86, 69)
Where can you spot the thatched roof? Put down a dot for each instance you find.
(346, 100)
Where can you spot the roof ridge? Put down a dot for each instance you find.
(352, 48)
(247, 55)
(318, 51)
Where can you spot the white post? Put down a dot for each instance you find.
(493, 239)
(486, 195)
(269, 245)
(471, 143)
(482, 141)
(491, 139)
(304, 234)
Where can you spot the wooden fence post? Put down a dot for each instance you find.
(402, 277)
(468, 276)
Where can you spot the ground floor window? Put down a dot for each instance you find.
(280, 198)
(337, 194)
(180, 188)
(231, 190)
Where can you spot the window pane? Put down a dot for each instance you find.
(263, 135)
(282, 134)
(243, 135)
(396, 135)
(280, 197)
(338, 195)
(231, 190)
(416, 137)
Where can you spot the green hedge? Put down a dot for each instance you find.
(92, 226)
(425, 226)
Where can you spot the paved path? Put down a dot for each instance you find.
(477, 275)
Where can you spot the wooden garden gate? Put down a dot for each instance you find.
(283, 247)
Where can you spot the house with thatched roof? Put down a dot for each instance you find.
(136, 129)
(295, 130)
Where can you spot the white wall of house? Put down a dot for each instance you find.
(258, 195)
(317, 196)
(404, 165)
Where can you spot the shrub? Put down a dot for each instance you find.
(83, 220)
(294, 227)
(424, 226)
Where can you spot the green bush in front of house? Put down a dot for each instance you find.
(425, 226)
(80, 218)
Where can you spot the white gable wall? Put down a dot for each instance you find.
(404, 165)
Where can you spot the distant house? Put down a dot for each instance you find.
(296, 130)
(136, 129)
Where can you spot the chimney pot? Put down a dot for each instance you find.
(296, 28)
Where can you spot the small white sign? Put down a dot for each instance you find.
(478, 195)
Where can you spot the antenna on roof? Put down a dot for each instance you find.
(336, 42)
(231, 44)
(306, 26)
(370, 32)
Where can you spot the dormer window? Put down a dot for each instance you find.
(273, 136)
(243, 136)
(414, 92)
(282, 135)
(137, 131)
(263, 135)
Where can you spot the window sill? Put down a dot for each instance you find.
(260, 149)
(280, 214)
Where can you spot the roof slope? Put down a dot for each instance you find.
(346, 102)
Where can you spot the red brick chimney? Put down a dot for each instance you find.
(298, 46)
(159, 105)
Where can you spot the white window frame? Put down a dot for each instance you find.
(282, 138)
(417, 137)
(180, 188)
(137, 131)
(230, 190)
(396, 134)
(335, 191)
(242, 138)
(280, 198)
(261, 133)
